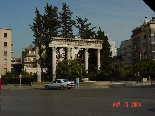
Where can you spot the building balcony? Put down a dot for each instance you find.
(136, 57)
(128, 56)
(11, 43)
(127, 51)
(135, 42)
(12, 51)
(16, 62)
(31, 55)
(33, 61)
(135, 49)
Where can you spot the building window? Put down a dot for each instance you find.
(144, 44)
(5, 34)
(25, 59)
(5, 70)
(5, 53)
(5, 61)
(5, 43)
(144, 36)
(34, 59)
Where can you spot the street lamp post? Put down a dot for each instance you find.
(69, 70)
(20, 76)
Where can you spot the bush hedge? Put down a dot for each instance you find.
(25, 80)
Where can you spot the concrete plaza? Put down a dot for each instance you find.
(82, 102)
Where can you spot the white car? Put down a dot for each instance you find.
(72, 83)
(59, 84)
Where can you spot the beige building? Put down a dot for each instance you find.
(5, 50)
(143, 41)
(29, 57)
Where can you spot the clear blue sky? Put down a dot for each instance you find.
(115, 17)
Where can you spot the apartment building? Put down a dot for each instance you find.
(125, 51)
(143, 41)
(5, 50)
(29, 57)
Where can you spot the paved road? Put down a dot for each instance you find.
(82, 102)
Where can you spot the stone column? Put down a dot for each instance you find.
(53, 63)
(68, 53)
(73, 53)
(98, 59)
(86, 59)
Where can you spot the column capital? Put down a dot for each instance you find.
(68, 49)
(98, 50)
(54, 48)
(86, 49)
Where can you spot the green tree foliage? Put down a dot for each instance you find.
(130, 73)
(117, 71)
(66, 22)
(9, 75)
(25, 74)
(51, 23)
(148, 66)
(69, 69)
(45, 27)
(84, 30)
(38, 29)
(105, 51)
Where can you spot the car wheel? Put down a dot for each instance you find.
(47, 87)
(62, 87)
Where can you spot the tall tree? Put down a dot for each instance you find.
(45, 27)
(85, 32)
(38, 29)
(67, 23)
(105, 51)
(51, 23)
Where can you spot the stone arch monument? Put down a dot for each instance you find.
(73, 45)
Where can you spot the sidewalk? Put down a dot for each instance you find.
(85, 85)
(133, 82)
(129, 83)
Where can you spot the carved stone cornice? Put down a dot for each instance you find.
(73, 42)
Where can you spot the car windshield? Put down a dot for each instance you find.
(65, 80)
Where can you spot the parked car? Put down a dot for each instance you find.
(72, 83)
(59, 84)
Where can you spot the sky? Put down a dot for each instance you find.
(115, 17)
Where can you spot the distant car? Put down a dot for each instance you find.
(59, 84)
